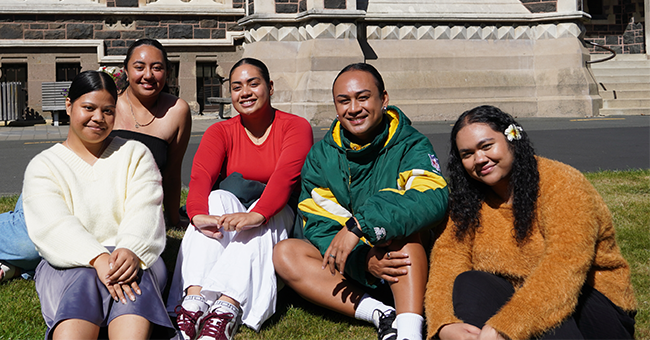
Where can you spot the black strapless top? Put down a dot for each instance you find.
(157, 146)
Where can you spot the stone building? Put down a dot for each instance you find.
(438, 57)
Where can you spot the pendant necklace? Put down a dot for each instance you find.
(138, 125)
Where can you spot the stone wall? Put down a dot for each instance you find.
(118, 32)
(540, 6)
(621, 27)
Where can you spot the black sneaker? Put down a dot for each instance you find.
(386, 331)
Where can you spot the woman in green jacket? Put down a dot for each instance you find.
(370, 189)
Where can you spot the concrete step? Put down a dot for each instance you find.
(622, 79)
(625, 86)
(616, 71)
(621, 94)
(628, 111)
(626, 103)
(620, 64)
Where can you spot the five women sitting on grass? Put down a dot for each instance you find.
(527, 249)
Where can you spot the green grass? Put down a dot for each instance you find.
(626, 193)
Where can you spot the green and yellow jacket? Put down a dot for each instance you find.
(393, 186)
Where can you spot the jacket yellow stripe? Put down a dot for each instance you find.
(417, 179)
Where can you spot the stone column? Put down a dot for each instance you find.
(646, 6)
(40, 67)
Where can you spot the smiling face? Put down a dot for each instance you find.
(91, 117)
(249, 91)
(359, 104)
(146, 71)
(486, 156)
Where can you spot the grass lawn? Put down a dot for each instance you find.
(627, 195)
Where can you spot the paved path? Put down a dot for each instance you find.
(589, 144)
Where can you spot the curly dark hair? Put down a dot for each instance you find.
(467, 195)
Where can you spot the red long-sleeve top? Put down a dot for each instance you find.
(225, 147)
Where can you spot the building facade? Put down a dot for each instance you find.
(438, 57)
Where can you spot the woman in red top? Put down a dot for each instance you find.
(224, 267)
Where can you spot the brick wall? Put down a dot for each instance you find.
(618, 29)
(117, 33)
(540, 6)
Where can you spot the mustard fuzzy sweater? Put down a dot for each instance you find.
(571, 243)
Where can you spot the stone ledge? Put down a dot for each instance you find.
(102, 58)
(101, 9)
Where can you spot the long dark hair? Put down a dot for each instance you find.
(467, 195)
(89, 81)
(129, 53)
(264, 71)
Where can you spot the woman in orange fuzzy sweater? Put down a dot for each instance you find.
(529, 248)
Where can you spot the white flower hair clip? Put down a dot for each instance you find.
(513, 132)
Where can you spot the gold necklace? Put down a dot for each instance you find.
(138, 125)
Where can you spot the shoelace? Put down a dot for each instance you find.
(385, 324)
(214, 324)
(187, 320)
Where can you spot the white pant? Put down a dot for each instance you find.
(240, 265)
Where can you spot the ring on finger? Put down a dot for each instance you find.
(333, 256)
(388, 255)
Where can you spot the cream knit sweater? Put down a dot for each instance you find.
(74, 210)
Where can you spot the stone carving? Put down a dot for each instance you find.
(314, 30)
(113, 23)
(543, 31)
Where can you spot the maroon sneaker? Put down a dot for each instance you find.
(188, 322)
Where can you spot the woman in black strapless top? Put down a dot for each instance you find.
(147, 113)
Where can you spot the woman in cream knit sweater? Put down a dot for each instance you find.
(529, 248)
(93, 208)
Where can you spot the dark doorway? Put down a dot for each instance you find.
(208, 84)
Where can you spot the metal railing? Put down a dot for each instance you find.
(611, 56)
(12, 101)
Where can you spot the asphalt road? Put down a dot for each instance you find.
(590, 144)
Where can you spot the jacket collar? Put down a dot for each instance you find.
(394, 118)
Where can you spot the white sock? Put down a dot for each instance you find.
(366, 309)
(409, 326)
(210, 296)
(195, 303)
(224, 306)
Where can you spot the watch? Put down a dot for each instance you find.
(351, 224)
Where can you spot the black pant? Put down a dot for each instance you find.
(479, 295)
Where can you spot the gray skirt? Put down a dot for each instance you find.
(77, 293)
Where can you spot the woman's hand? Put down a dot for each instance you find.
(209, 225)
(124, 266)
(123, 272)
(241, 221)
(459, 331)
(489, 333)
(100, 263)
(387, 265)
(338, 251)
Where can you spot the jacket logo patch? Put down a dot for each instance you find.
(434, 162)
(380, 233)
